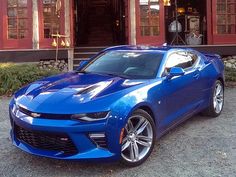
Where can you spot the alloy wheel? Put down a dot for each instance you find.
(218, 99)
(138, 139)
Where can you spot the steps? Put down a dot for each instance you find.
(84, 53)
(99, 24)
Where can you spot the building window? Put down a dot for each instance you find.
(17, 17)
(226, 17)
(51, 17)
(149, 17)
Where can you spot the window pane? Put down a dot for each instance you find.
(12, 34)
(12, 23)
(22, 23)
(149, 17)
(12, 3)
(22, 3)
(145, 31)
(221, 19)
(231, 8)
(221, 8)
(221, 29)
(22, 13)
(12, 12)
(22, 34)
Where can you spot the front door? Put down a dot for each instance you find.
(182, 93)
(150, 26)
(16, 24)
(224, 22)
(100, 23)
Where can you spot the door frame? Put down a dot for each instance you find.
(25, 43)
(151, 40)
(47, 42)
(219, 38)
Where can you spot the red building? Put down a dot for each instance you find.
(28, 27)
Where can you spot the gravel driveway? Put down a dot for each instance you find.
(199, 147)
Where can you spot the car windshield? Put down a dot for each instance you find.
(127, 64)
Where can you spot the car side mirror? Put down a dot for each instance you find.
(82, 64)
(175, 71)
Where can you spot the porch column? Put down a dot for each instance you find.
(68, 33)
(67, 19)
(35, 24)
(132, 22)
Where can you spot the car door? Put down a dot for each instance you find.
(180, 93)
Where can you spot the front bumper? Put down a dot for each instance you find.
(77, 132)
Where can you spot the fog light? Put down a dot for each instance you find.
(99, 139)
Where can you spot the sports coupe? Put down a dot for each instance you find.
(116, 105)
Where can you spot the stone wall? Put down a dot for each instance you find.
(230, 62)
(61, 65)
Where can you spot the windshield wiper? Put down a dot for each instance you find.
(108, 74)
(83, 72)
(116, 75)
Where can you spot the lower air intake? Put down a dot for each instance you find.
(46, 141)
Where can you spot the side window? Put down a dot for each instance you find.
(193, 57)
(181, 59)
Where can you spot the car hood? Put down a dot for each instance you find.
(71, 92)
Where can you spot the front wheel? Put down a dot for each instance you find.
(216, 101)
(139, 138)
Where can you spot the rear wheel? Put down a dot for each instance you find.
(139, 138)
(216, 101)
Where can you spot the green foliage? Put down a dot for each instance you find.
(14, 76)
(230, 75)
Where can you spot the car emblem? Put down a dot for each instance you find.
(64, 139)
(35, 115)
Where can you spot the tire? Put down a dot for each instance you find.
(216, 101)
(139, 139)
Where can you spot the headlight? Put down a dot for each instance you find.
(90, 116)
(14, 107)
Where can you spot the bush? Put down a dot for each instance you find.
(14, 76)
(230, 74)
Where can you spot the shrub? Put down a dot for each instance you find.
(230, 74)
(14, 76)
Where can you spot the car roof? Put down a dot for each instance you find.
(143, 48)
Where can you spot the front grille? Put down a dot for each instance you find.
(45, 115)
(46, 141)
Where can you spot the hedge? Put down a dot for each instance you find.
(14, 76)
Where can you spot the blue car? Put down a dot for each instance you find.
(117, 104)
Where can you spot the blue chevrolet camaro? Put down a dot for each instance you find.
(117, 104)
